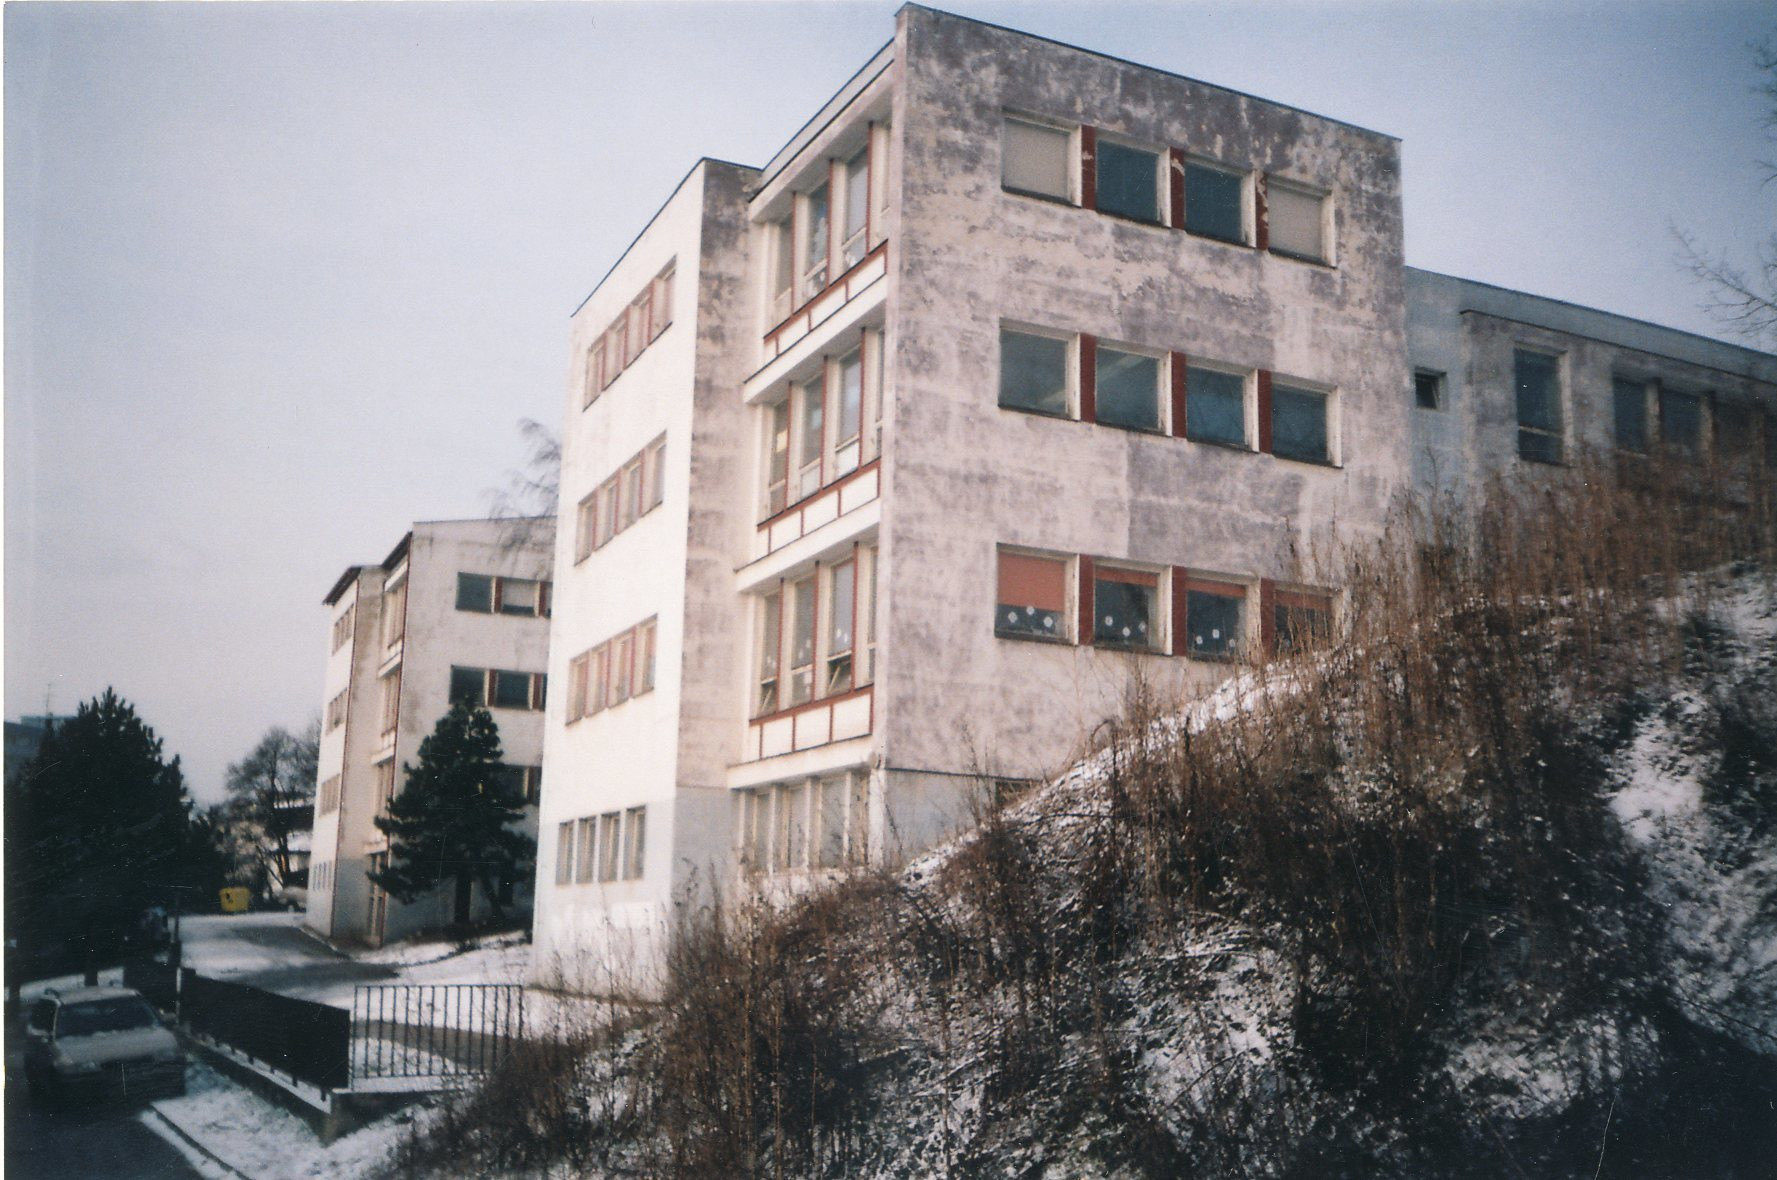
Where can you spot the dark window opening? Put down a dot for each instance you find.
(1212, 203)
(475, 592)
(1428, 390)
(1127, 387)
(1629, 405)
(1128, 182)
(1033, 373)
(1299, 424)
(1212, 622)
(1123, 608)
(1537, 377)
(1215, 407)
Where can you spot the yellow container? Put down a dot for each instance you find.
(234, 899)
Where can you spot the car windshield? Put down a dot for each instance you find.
(103, 1016)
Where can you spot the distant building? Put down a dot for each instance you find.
(457, 610)
(1507, 382)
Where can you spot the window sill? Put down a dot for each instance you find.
(1046, 198)
(1242, 243)
(1050, 414)
(1241, 448)
(1327, 463)
(1127, 219)
(1156, 431)
(1021, 637)
(1307, 259)
(1134, 649)
(1225, 657)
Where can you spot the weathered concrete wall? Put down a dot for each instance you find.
(965, 474)
(1471, 330)
(346, 751)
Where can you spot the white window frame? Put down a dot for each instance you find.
(1070, 133)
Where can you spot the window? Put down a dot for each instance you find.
(850, 417)
(622, 666)
(782, 278)
(595, 373)
(598, 679)
(801, 601)
(629, 493)
(475, 592)
(656, 466)
(1739, 431)
(1629, 412)
(814, 243)
(1127, 389)
(852, 246)
(1214, 202)
(585, 526)
(609, 843)
(777, 458)
(1300, 619)
(1123, 602)
(1032, 597)
(645, 657)
(637, 324)
(1299, 424)
(842, 820)
(1537, 377)
(1128, 181)
(771, 616)
(336, 711)
(1036, 160)
(867, 614)
(1681, 421)
(328, 799)
(342, 626)
(841, 605)
(1215, 406)
(806, 824)
(586, 858)
(660, 308)
(577, 685)
(385, 786)
(394, 613)
(1294, 221)
(564, 852)
(512, 690)
(391, 701)
(1033, 373)
(521, 596)
(468, 685)
(1213, 623)
(1428, 390)
(635, 847)
(809, 431)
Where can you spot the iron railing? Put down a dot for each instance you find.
(434, 1030)
(310, 1042)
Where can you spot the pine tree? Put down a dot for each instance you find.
(453, 819)
(98, 827)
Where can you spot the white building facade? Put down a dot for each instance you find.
(457, 609)
(1020, 376)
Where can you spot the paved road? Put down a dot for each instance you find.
(107, 1143)
(272, 951)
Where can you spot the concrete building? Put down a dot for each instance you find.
(1508, 383)
(1020, 375)
(459, 609)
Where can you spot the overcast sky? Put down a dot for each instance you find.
(281, 279)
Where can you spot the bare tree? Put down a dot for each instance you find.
(526, 506)
(1745, 301)
(268, 788)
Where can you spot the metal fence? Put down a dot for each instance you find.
(310, 1042)
(435, 1030)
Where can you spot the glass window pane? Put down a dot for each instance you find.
(851, 398)
(1428, 390)
(1035, 160)
(1032, 596)
(1212, 203)
(814, 244)
(1299, 424)
(1300, 622)
(1630, 405)
(1293, 222)
(1539, 400)
(1033, 373)
(1128, 389)
(588, 851)
(839, 608)
(1215, 406)
(857, 205)
(1128, 182)
(475, 592)
(512, 690)
(1123, 613)
(830, 813)
(794, 801)
(468, 684)
(518, 596)
(1212, 622)
(802, 641)
(781, 245)
(1681, 420)
(808, 452)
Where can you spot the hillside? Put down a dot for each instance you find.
(1486, 888)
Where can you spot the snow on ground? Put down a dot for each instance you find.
(261, 1139)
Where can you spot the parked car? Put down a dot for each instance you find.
(97, 1043)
